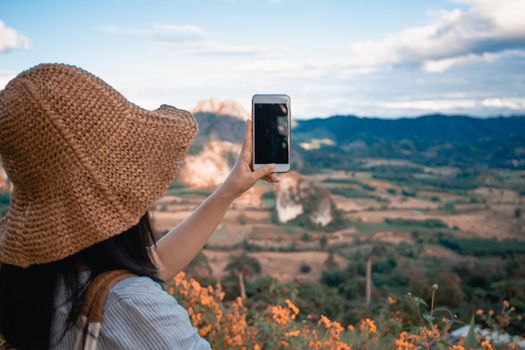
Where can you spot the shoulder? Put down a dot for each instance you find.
(139, 311)
(135, 287)
(146, 299)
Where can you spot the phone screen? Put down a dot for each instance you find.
(271, 133)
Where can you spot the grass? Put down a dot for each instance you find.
(484, 247)
(178, 189)
(184, 191)
(350, 181)
(402, 225)
(428, 223)
(351, 192)
(268, 199)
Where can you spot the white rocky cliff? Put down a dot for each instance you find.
(218, 107)
(4, 186)
(217, 148)
(209, 167)
(297, 196)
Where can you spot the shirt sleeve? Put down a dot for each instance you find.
(151, 320)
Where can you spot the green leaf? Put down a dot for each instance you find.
(470, 340)
(428, 317)
(443, 345)
(419, 301)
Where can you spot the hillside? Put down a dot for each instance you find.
(338, 142)
(431, 140)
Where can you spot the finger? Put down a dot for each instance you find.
(273, 178)
(265, 170)
(268, 178)
(246, 150)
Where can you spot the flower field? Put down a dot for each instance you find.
(233, 325)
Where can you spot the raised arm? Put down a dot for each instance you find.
(183, 242)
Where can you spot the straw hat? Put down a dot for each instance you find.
(85, 163)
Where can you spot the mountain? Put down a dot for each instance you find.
(218, 107)
(429, 128)
(210, 166)
(213, 153)
(4, 186)
(339, 142)
(430, 140)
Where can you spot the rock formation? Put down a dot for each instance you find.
(209, 167)
(298, 197)
(218, 107)
(4, 185)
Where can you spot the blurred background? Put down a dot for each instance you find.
(408, 149)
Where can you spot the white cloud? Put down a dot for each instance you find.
(454, 105)
(162, 32)
(441, 65)
(185, 38)
(410, 108)
(517, 104)
(480, 33)
(430, 105)
(208, 47)
(5, 78)
(11, 39)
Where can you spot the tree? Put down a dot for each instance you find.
(323, 241)
(305, 268)
(247, 265)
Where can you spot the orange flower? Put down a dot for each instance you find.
(205, 330)
(486, 345)
(405, 341)
(368, 326)
(479, 312)
(292, 307)
(292, 333)
(280, 314)
(325, 321)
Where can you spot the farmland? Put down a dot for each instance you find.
(419, 226)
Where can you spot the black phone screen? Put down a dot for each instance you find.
(271, 133)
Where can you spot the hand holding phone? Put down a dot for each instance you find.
(271, 131)
(242, 177)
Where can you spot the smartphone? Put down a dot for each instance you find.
(271, 121)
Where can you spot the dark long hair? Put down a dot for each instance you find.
(27, 296)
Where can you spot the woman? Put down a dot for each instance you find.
(86, 165)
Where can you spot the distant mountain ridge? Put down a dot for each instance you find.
(433, 139)
(449, 128)
(338, 141)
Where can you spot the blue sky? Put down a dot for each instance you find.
(370, 58)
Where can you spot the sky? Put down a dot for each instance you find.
(379, 58)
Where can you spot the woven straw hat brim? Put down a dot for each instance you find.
(85, 163)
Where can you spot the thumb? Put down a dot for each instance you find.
(265, 170)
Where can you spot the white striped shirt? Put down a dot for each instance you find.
(138, 314)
